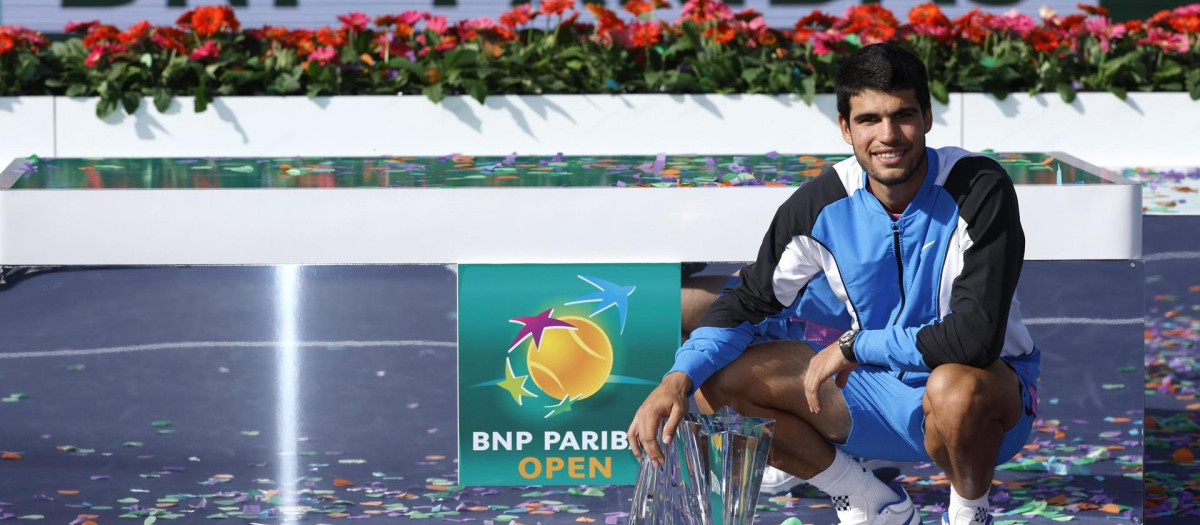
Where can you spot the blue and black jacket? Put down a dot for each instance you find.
(931, 287)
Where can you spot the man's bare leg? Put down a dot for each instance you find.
(764, 382)
(967, 411)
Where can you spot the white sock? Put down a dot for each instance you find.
(846, 477)
(965, 511)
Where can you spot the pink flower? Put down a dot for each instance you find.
(323, 55)
(210, 49)
(437, 24)
(1014, 22)
(1186, 10)
(479, 24)
(80, 27)
(823, 39)
(355, 20)
(1104, 31)
(411, 17)
(100, 50)
(1166, 40)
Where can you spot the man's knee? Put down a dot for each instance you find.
(960, 392)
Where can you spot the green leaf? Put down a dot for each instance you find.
(809, 91)
(1066, 91)
(938, 89)
(202, 99)
(1120, 92)
(131, 101)
(477, 90)
(146, 59)
(162, 99)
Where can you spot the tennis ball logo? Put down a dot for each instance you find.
(571, 363)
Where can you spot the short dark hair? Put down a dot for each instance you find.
(883, 67)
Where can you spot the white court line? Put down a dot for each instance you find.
(1084, 320)
(224, 344)
(1167, 256)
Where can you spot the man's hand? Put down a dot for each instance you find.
(668, 400)
(826, 364)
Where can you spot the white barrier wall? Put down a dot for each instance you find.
(1150, 129)
(26, 127)
(412, 125)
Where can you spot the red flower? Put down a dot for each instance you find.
(385, 20)
(815, 22)
(721, 32)
(1093, 10)
(609, 21)
(876, 34)
(6, 44)
(747, 15)
(637, 7)
(411, 17)
(355, 20)
(99, 35)
(169, 38)
(645, 34)
(1186, 24)
(134, 33)
(80, 27)
(403, 31)
(209, 20)
(519, 15)
(279, 34)
(556, 7)
(1134, 26)
(447, 44)
(1160, 19)
(972, 26)
(862, 17)
(701, 11)
(327, 36)
(1043, 40)
(210, 49)
(928, 15)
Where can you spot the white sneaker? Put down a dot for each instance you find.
(776, 481)
(852, 510)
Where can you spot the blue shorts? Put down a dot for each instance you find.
(889, 423)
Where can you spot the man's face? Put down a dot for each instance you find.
(887, 131)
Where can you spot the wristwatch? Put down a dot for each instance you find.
(846, 344)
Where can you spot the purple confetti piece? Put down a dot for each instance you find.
(772, 155)
(558, 157)
(620, 184)
(660, 162)
(251, 509)
(510, 159)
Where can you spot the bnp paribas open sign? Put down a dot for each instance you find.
(553, 361)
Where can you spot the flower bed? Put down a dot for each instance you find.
(710, 49)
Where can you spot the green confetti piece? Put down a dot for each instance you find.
(133, 444)
(127, 501)
(792, 521)
(242, 169)
(1113, 386)
(31, 517)
(249, 432)
(1126, 369)
(293, 172)
(505, 518)
(165, 431)
(594, 492)
(161, 424)
(75, 368)
(351, 461)
(13, 398)
(150, 520)
(578, 510)
(217, 516)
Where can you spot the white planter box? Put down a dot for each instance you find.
(26, 127)
(1149, 129)
(412, 125)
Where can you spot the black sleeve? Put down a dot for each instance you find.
(973, 332)
(754, 298)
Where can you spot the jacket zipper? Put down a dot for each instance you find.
(899, 273)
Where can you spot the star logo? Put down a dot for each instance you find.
(562, 406)
(514, 384)
(610, 295)
(533, 326)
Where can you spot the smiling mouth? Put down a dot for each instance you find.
(894, 154)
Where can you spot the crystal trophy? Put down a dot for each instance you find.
(711, 474)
